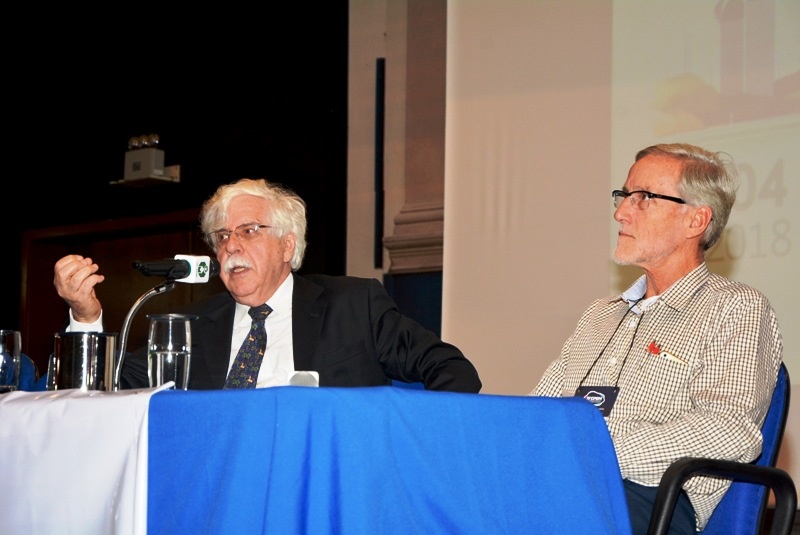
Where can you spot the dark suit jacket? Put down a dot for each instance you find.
(347, 329)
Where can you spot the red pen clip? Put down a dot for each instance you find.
(653, 348)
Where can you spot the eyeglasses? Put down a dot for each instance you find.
(641, 198)
(246, 232)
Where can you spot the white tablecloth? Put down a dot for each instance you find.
(74, 462)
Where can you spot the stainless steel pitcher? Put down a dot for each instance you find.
(82, 360)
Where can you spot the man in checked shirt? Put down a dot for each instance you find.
(684, 362)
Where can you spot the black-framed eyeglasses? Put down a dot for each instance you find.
(246, 232)
(641, 198)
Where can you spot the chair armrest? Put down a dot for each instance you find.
(678, 472)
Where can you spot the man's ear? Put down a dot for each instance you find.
(699, 220)
(289, 243)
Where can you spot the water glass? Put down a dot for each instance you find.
(10, 354)
(169, 347)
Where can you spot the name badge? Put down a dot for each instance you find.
(602, 397)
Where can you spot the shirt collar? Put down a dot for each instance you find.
(280, 302)
(635, 292)
(676, 295)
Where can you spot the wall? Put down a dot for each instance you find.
(377, 30)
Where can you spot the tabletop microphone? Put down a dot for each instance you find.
(304, 378)
(182, 268)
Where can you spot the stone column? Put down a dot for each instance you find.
(416, 243)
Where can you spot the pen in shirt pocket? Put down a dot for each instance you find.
(654, 349)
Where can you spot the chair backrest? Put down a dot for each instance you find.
(28, 374)
(742, 508)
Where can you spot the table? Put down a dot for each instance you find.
(292, 460)
(305, 460)
(74, 462)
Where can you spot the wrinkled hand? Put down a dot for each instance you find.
(75, 278)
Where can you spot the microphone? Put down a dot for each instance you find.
(183, 268)
(304, 379)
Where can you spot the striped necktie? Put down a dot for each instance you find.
(244, 372)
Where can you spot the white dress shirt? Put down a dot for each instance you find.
(278, 363)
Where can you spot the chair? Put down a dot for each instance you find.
(742, 508)
(28, 373)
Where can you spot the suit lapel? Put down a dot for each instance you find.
(308, 310)
(216, 340)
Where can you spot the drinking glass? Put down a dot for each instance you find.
(10, 352)
(169, 347)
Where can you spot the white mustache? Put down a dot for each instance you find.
(236, 262)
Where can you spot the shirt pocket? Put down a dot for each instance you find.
(657, 385)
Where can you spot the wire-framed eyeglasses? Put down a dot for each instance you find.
(641, 198)
(246, 232)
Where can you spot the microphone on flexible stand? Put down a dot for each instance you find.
(183, 268)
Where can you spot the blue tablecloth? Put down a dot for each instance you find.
(292, 460)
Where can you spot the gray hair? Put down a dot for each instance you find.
(287, 212)
(708, 179)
